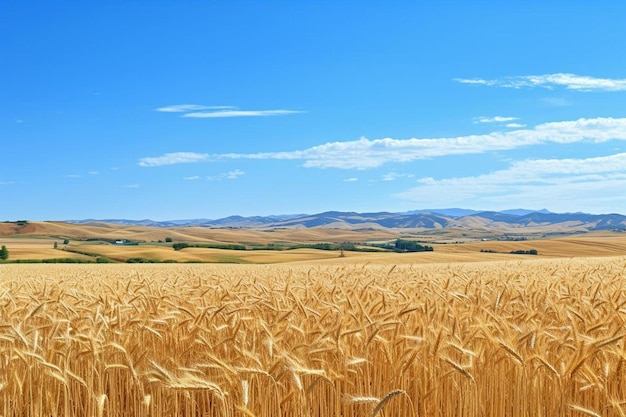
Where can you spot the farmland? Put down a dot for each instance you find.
(519, 337)
(45, 241)
(467, 329)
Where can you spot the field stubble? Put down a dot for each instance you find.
(515, 338)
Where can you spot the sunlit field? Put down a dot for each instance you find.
(34, 248)
(514, 338)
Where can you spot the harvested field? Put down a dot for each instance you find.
(188, 234)
(580, 246)
(35, 241)
(515, 338)
(36, 248)
(592, 244)
(122, 253)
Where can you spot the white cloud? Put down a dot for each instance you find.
(195, 177)
(392, 176)
(353, 179)
(73, 176)
(173, 158)
(210, 112)
(240, 113)
(93, 172)
(496, 119)
(561, 184)
(365, 153)
(132, 186)
(551, 81)
(184, 108)
(515, 125)
(602, 164)
(230, 175)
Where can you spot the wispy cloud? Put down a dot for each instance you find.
(230, 175)
(352, 179)
(132, 186)
(240, 113)
(7, 182)
(173, 158)
(195, 177)
(556, 102)
(365, 153)
(392, 176)
(504, 120)
(184, 108)
(495, 119)
(199, 111)
(564, 184)
(551, 81)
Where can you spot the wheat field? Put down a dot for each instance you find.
(514, 338)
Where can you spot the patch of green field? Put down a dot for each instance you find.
(230, 259)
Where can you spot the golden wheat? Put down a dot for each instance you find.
(520, 338)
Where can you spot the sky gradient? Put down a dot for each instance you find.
(190, 109)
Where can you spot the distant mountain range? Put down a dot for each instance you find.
(418, 219)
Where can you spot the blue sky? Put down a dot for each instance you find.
(204, 109)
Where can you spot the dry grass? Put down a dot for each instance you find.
(592, 244)
(121, 253)
(33, 241)
(36, 248)
(581, 246)
(190, 234)
(516, 338)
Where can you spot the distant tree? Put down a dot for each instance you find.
(525, 252)
(4, 253)
(66, 242)
(402, 245)
(168, 239)
(56, 245)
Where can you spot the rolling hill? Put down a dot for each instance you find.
(458, 236)
(487, 221)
